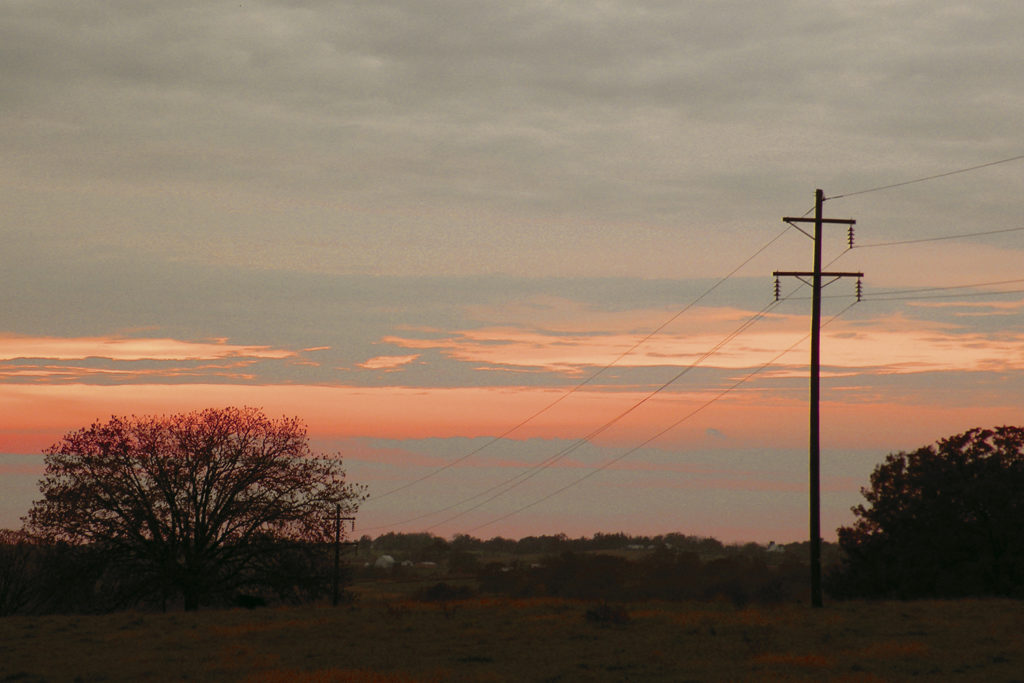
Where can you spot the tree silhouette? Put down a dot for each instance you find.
(945, 520)
(16, 556)
(194, 505)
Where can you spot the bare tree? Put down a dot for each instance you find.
(193, 504)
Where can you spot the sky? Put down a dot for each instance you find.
(513, 260)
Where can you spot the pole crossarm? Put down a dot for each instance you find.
(818, 223)
(808, 273)
(844, 221)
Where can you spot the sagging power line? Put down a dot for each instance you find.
(661, 433)
(927, 178)
(937, 239)
(580, 385)
(875, 297)
(513, 482)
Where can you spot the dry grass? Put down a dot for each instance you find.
(396, 640)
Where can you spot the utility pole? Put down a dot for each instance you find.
(338, 519)
(815, 427)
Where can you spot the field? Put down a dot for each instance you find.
(390, 637)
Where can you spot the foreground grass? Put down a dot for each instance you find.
(389, 638)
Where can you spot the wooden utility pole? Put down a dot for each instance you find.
(338, 519)
(815, 428)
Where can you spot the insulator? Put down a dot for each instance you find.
(849, 236)
(860, 289)
(778, 289)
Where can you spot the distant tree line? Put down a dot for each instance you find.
(605, 566)
(419, 546)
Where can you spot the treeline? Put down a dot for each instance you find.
(602, 567)
(428, 547)
(42, 578)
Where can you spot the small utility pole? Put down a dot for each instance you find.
(337, 549)
(815, 427)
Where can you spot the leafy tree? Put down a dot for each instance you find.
(195, 505)
(945, 520)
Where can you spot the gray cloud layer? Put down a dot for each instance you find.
(461, 136)
(321, 173)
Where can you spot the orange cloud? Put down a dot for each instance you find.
(887, 346)
(568, 353)
(896, 346)
(72, 373)
(388, 363)
(14, 347)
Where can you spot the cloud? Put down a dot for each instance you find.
(14, 347)
(562, 128)
(389, 363)
(129, 373)
(883, 348)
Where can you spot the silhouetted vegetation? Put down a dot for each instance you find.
(47, 576)
(425, 547)
(662, 575)
(605, 567)
(943, 521)
(196, 507)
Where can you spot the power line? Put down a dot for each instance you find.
(937, 239)
(992, 283)
(914, 294)
(661, 433)
(508, 484)
(585, 382)
(944, 296)
(928, 292)
(540, 467)
(926, 178)
(511, 483)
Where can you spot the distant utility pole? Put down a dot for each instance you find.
(815, 437)
(338, 519)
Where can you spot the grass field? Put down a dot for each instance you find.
(389, 637)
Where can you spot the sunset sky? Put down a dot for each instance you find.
(421, 226)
